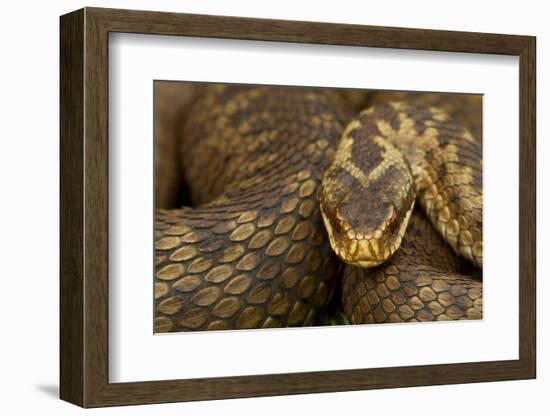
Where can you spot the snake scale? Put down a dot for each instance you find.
(294, 194)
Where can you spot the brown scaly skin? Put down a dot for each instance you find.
(465, 108)
(254, 253)
(367, 192)
(367, 196)
(423, 281)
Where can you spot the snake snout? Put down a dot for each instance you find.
(365, 232)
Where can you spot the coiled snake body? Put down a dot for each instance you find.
(254, 251)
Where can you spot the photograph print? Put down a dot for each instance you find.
(290, 206)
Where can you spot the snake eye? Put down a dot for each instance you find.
(392, 218)
(391, 215)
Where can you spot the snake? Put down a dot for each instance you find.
(299, 203)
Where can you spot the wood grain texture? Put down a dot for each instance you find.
(71, 212)
(527, 208)
(84, 207)
(228, 27)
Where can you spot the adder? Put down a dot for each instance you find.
(297, 199)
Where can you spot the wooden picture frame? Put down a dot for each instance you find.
(84, 207)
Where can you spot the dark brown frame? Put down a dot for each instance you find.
(84, 208)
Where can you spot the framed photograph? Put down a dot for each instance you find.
(255, 207)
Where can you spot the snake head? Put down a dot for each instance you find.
(366, 207)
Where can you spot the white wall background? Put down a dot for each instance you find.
(29, 208)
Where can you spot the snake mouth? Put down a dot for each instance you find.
(365, 250)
